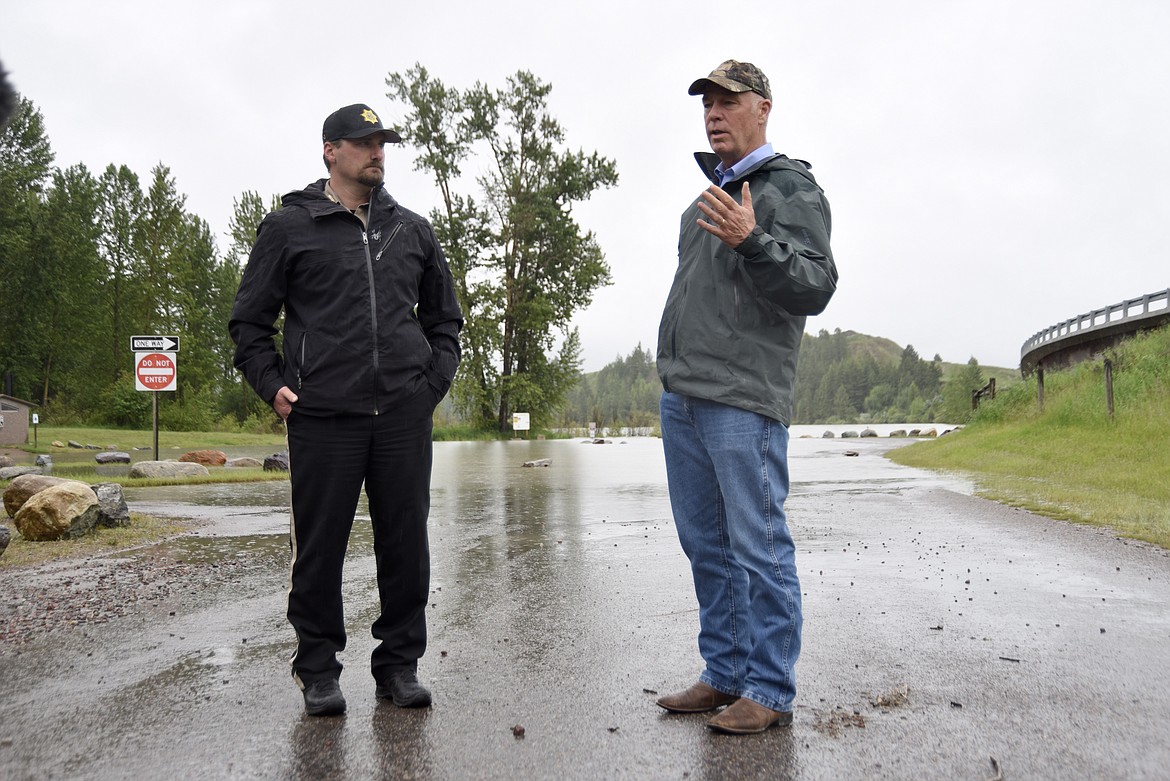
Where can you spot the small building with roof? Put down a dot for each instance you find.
(14, 416)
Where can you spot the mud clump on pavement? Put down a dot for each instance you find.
(834, 721)
(894, 698)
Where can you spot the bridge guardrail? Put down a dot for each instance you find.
(1109, 317)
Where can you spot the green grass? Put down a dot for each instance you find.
(1072, 461)
(143, 530)
(167, 440)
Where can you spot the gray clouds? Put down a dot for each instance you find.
(993, 168)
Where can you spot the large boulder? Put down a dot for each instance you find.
(277, 462)
(167, 469)
(5, 538)
(114, 511)
(67, 510)
(112, 458)
(868, 433)
(5, 461)
(205, 457)
(112, 503)
(22, 489)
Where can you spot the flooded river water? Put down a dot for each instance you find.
(473, 483)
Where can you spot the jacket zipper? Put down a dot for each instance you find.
(301, 365)
(386, 246)
(374, 298)
(373, 312)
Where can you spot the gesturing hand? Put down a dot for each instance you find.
(727, 220)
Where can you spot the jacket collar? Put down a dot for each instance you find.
(313, 199)
(708, 161)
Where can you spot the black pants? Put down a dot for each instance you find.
(329, 458)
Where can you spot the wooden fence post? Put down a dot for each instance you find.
(1109, 387)
(1040, 386)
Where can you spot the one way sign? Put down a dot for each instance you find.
(168, 344)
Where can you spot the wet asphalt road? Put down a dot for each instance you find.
(941, 631)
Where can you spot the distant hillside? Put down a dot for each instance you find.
(877, 347)
(842, 377)
(849, 377)
(882, 348)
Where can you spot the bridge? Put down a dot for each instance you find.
(1081, 337)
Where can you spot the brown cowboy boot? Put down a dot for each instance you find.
(745, 717)
(699, 698)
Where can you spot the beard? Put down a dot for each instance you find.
(371, 176)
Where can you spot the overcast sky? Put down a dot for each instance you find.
(993, 167)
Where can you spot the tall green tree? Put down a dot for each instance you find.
(121, 213)
(237, 398)
(522, 265)
(68, 297)
(26, 160)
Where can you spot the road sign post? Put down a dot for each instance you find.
(155, 371)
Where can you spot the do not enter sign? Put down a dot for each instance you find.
(154, 371)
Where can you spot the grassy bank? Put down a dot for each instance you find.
(143, 530)
(1072, 461)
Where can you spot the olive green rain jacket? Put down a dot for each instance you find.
(734, 318)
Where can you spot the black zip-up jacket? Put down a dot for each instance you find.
(734, 318)
(370, 313)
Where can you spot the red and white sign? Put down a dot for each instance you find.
(155, 371)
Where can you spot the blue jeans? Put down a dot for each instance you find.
(727, 469)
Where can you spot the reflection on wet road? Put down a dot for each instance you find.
(561, 603)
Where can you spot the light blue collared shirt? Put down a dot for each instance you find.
(731, 174)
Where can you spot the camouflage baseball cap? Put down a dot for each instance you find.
(734, 76)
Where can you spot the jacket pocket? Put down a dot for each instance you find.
(298, 359)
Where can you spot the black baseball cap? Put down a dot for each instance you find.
(356, 121)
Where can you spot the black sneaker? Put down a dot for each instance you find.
(324, 698)
(403, 688)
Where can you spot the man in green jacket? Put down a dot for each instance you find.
(754, 261)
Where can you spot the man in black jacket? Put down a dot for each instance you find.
(370, 346)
